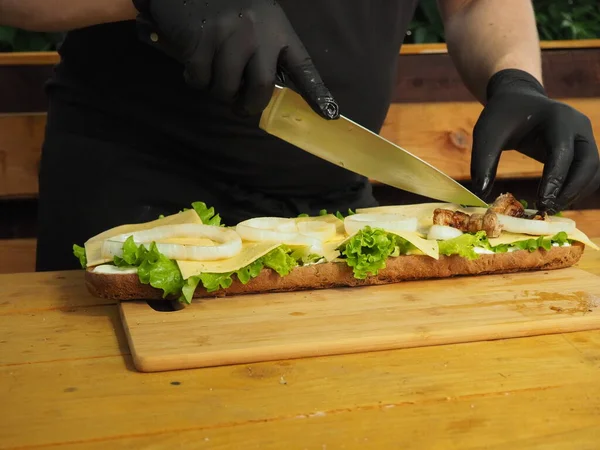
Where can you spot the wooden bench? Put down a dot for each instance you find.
(432, 115)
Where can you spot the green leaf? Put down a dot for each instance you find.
(159, 271)
(206, 214)
(464, 245)
(133, 255)
(280, 260)
(79, 253)
(7, 38)
(367, 251)
(214, 281)
(188, 289)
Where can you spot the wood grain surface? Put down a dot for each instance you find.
(258, 328)
(21, 139)
(72, 384)
(17, 255)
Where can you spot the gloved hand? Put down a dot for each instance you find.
(234, 48)
(519, 116)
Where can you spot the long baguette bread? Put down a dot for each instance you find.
(336, 274)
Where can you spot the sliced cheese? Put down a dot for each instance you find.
(93, 247)
(427, 246)
(251, 251)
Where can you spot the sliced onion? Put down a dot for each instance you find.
(550, 226)
(318, 229)
(274, 229)
(387, 221)
(443, 232)
(228, 242)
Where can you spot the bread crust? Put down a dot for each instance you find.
(330, 275)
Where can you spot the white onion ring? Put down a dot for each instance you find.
(387, 221)
(443, 232)
(550, 226)
(285, 231)
(230, 243)
(318, 229)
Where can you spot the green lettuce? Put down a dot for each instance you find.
(367, 251)
(79, 253)
(163, 273)
(206, 214)
(464, 245)
(153, 267)
(534, 244)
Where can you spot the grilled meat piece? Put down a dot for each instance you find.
(508, 205)
(487, 222)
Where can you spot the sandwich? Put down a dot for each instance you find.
(192, 255)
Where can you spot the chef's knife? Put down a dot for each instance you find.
(353, 147)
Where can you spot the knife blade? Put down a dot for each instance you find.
(349, 145)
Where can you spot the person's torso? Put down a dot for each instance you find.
(353, 43)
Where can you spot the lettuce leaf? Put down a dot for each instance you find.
(464, 245)
(79, 253)
(206, 214)
(367, 251)
(534, 244)
(158, 271)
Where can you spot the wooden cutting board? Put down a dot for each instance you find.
(255, 328)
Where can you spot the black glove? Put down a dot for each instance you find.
(519, 116)
(234, 48)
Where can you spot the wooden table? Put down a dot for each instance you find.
(67, 380)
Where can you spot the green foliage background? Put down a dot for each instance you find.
(556, 19)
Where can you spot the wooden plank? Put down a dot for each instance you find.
(50, 58)
(418, 49)
(561, 418)
(434, 78)
(30, 292)
(21, 139)
(422, 77)
(441, 134)
(104, 398)
(248, 329)
(17, 255)
(29, 58)
(65, 334)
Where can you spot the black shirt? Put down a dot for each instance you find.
(138, 96)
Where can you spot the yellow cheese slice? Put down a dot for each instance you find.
(251, 251)
(427, 246)
(93, 247)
